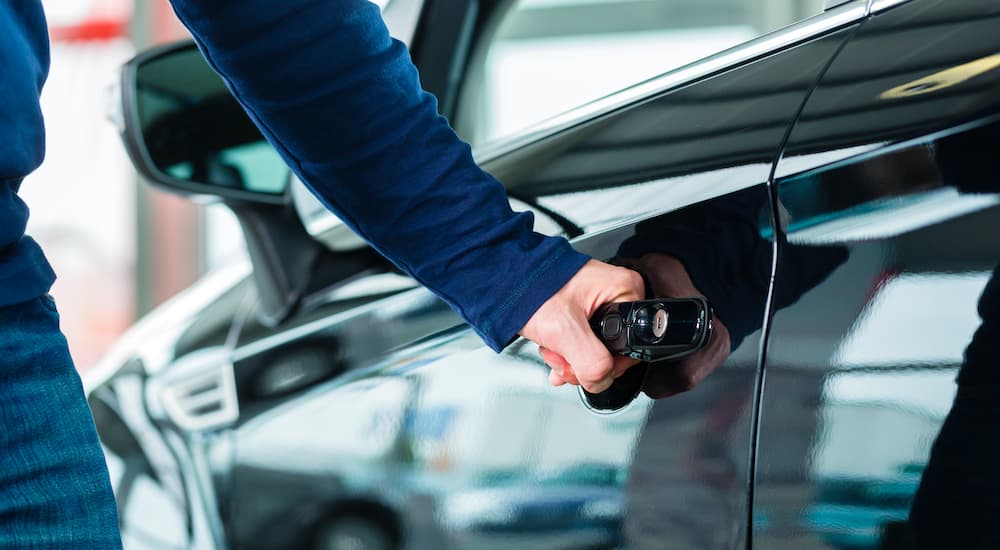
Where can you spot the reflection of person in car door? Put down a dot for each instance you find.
(715, 249)
(681, 487)
(956, 503)
(342, 103)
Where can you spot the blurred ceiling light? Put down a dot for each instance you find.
(943, 79)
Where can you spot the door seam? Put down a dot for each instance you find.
(776, 246)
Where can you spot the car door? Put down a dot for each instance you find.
(426, 439)
(889, 205)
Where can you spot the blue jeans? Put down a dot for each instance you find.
(54, 485)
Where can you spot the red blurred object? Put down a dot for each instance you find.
(88, 20)
(94, 29)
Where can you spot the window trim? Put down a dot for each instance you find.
(797, 33)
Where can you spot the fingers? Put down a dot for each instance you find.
(586, 357)
(622, 364)
(561, 326)
(575, 354)
(561, 372)
(690, 371)
(560, 367)
(555, 379)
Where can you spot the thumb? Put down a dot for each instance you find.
(591, 362)
(562, 324)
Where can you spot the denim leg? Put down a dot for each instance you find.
(54, 485)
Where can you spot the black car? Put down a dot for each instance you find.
(823, 174)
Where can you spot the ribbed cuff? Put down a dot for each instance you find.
(513, 313)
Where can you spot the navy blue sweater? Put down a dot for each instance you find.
(24, 63)
(341, 101)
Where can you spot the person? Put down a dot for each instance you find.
(342, 103)
(955, 501)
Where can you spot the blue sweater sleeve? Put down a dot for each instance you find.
(341, 102)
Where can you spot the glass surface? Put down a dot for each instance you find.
(545, 57)
(193, 130)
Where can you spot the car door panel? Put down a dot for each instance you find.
(891, 166)
(440, 443)
(445, 444)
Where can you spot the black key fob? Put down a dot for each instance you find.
(651, 331)
(654, 330)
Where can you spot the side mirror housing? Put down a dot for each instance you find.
(186, 134)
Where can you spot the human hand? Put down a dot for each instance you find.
(561, 327)
(669, 279)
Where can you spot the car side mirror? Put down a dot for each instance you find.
(186, 133)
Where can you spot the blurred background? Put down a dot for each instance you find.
(119, 248)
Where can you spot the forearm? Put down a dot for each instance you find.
(342, 103)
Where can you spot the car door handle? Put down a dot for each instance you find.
(655, 332)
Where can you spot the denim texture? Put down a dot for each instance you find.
(54, 486)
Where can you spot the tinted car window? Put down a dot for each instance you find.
(544, 57)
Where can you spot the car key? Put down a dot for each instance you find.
(654, 330)
(651, 331)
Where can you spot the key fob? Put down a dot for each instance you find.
(654, 330)
(651, 331)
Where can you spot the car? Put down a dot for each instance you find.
(823, 174)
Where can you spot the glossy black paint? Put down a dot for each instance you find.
(711, 427)
(866, 440)
(372, 413)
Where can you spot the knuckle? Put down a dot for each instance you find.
(594, 374)
(630, 279)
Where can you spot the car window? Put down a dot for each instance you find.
(539, 58)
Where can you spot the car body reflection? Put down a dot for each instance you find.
(400, 434)
(846, 241)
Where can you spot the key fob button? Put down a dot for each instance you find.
(650, 324)
(659, 323)
(611, 327)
